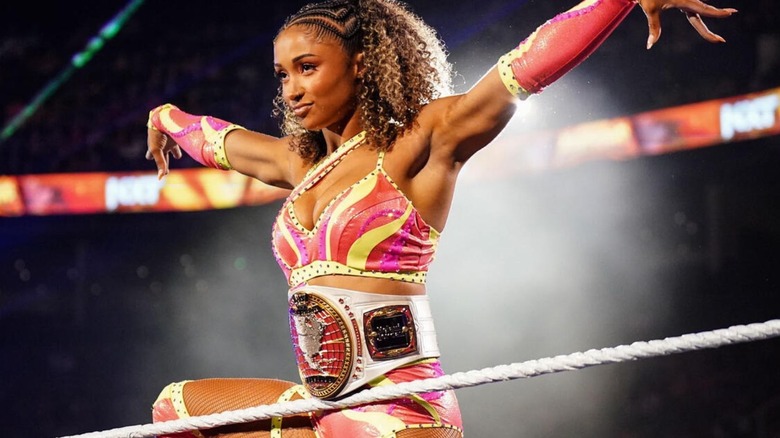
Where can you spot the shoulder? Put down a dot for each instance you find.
(421, 144)
(428, 127)
(436, 122)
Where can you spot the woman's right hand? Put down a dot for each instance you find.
(160, 148)
(693, 10)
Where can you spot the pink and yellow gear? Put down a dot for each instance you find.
(438, 409)
(201, 137)
(392, 241)
(209, 396)
(561, 44)
(370, 230)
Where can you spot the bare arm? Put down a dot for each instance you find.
(260, 156)
(466, 123)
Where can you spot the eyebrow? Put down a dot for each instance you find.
(296, 59)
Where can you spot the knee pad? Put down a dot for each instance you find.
(170, 406)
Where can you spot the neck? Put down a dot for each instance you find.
(335, 136)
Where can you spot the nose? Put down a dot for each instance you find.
(292, 90)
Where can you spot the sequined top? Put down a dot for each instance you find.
(370, 229)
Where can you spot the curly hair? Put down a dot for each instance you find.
(405, 68)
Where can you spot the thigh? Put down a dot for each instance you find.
(431, 415)
(209, 396)
(428, 415)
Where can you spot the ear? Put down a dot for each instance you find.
(358, 65)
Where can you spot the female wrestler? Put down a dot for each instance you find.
(372, 148)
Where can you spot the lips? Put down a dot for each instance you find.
(301, 110)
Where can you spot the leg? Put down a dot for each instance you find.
(209, 396)
(429, 433)
(429, 415)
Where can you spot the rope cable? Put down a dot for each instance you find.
(501, 373)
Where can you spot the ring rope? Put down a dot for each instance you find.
(532, 368)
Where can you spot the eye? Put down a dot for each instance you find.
(307, 67)
(280, 75)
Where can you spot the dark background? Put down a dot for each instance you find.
(99, 312)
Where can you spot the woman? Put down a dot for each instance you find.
(372, 148)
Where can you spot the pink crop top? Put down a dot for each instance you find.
(370, 229)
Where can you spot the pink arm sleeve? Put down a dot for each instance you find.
(561, 44)
(201, 137)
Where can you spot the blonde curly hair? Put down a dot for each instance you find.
(405, 64)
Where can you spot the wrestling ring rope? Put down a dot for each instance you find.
(575, 361)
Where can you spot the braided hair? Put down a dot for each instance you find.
(405, 68)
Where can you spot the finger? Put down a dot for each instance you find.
(703, 9)
(698, 24)
(156, 142)
(176, 151)
(654, 27)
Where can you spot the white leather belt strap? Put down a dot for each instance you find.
(344, 339)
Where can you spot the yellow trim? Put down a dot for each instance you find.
(276, 427)
(582, 5)
(428, 426)
(217, 139)
(334, 156)
(434, 235)
(156, 110)
(165, 393)
(167, 121)
(507, 75)
(361, 249)
(384, 381)
(361, 189)
(321, 268)
(505, 65)
(280, 225)
(175, 393)
(314, 175)
(276, 422)
(149, 123)
(526, 45)
(177, 399)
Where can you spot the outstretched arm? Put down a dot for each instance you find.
(171, 131)
(470, 121)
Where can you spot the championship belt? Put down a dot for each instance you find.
(343, 339)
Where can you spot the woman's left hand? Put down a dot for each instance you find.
(693, 10)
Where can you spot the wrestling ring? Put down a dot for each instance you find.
(522, 370)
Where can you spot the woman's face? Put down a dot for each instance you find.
(318, 78)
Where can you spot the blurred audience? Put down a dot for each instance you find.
(221, 64)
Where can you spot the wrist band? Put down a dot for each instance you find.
(507, 75)
(201, 137)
